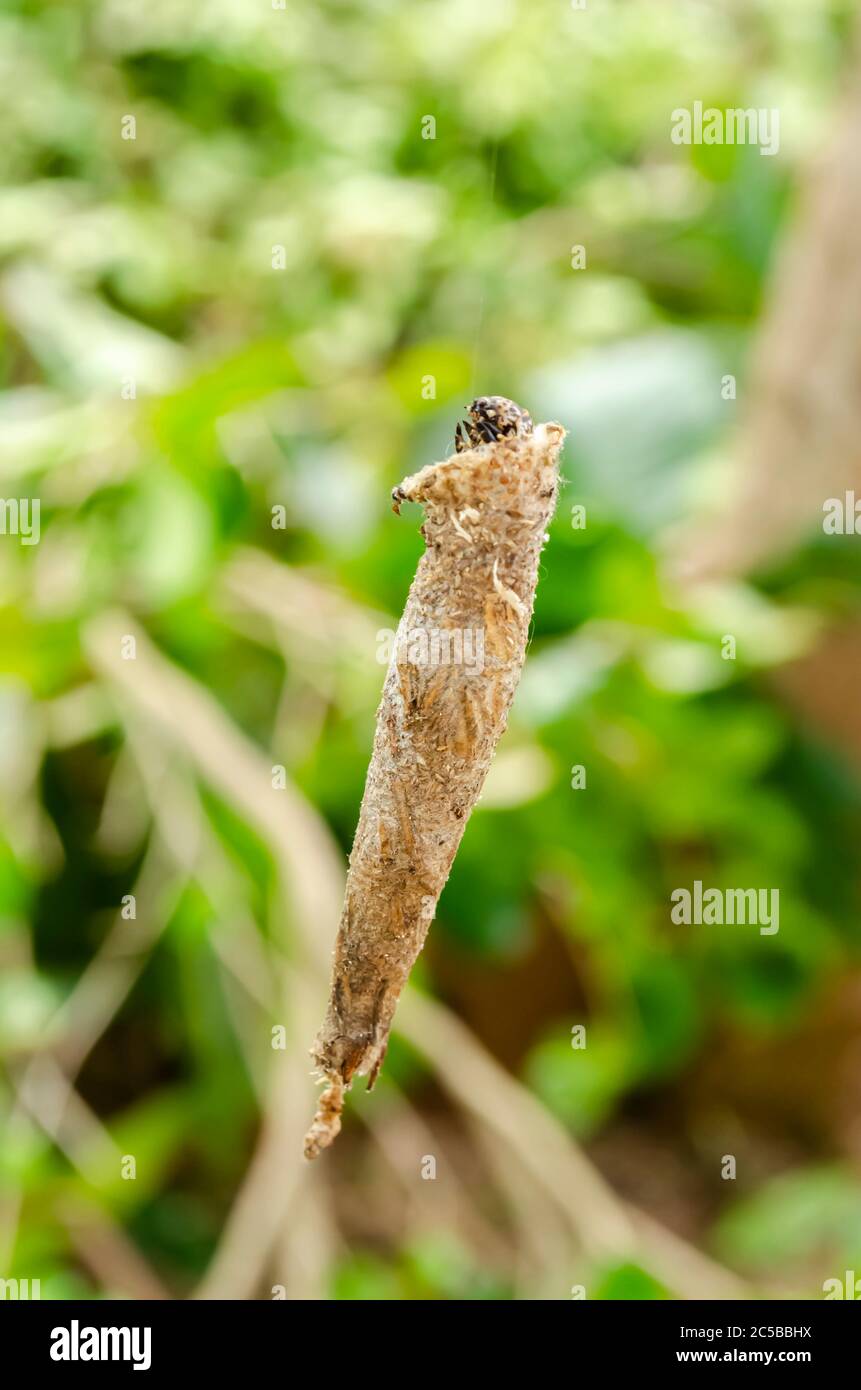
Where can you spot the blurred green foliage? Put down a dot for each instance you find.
(166, 387)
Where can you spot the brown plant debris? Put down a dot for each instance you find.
(456, 662)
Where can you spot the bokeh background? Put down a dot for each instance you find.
(268, 307)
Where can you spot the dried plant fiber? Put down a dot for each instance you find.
(486, 513)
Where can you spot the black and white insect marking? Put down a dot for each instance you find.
(490, 417)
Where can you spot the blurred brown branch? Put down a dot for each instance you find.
(798, 442)
(187, 718)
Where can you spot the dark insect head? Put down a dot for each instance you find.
(489, 418)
